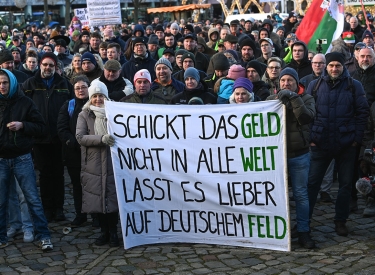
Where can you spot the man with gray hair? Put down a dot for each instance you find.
(318, 64)
(356, 28)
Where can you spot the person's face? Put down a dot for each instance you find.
(200, 48)
(152, 47)
(221, 48)
(353, 22)
(47, 68)
(85, 38)
(213, 36)
(187, 63)
(174, 31)
(111, 75)
(31, 63)
(76, 62)
(103, 52)
(95, 42)
(247, 26)
(247, 53)
(292, 19)
(298, 52)
(219, 27)
(223, 33)
(163, 73)
(170, 57)
(29, 44)
(169, 41)
(148, 31)
(139, 49)
(81, 90)
(156, 20)
(252, 74)
(160, 35)
(318, 65)
(233, 28)
(4, 35)
(16, 42)
(366, 58)
(179, 60)
(256, 36)
(16, 56)
(190, 44)
(266, 47)
(4, 85)
(59, 49)
(87, 66)
(97, 100)
(360, 16)
(36, 39)
(334, 69)
(221, 73)
(310, 56)
(263, 34)
(191, 83)
(142, 86)
(267, 26)
(233, 46)
(112, 53)
(288, 82)
(9, 65)
(241, 95)
(273, 70)
(368, 41)
(280, 33)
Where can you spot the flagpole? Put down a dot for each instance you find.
(365, 15)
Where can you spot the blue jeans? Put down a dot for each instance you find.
(22, 168)
(345, 160)
(298, 169)
(19, 216)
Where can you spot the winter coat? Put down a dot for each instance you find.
(180, 77)
(130, 68)
(150, 98)
(118, 88)
(66, 59)
(48, 99)
(367, 78)
(210, 43)
(272, 84)
(306, 80)
(369, 136)
(187, 94)
(168, 91)
(94, 74)
(26, 71)
(303, 69)
(18, 107)
(300, 112)
(66, 129)
(261, 90)
(274, 37)
(97, 178)
(20, 76)
(341, 113)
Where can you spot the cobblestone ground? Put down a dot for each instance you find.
(75, 253)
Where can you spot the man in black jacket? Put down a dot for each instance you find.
(300, 61)
(7, 62)
(254, 72)
(49, 91)
(20, 120)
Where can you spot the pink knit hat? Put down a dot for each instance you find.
(143, 74)
(236, 71)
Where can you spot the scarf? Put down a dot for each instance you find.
(100, 126)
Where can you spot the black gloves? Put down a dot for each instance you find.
(286, 95)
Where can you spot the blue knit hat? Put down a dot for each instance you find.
(291, 72)
(192, 72)
(243, 82)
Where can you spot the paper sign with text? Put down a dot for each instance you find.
(108, 13)
(212, 174)
(83, 16)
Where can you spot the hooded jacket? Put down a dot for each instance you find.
(17, 107)
(304, 67)
(210, 43)
(130, 68)
(274, 37)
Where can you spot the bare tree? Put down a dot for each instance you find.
(136, 4)
(68, 4)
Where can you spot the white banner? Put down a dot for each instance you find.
(358, 2)
(213, 174)
(83, 16)
(100, 13)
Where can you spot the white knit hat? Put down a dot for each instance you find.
(98, 87)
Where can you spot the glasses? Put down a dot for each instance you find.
(139, 45)
(48, 65)
(318, 63)
(264, 45)
(80, 88)
(273, 68)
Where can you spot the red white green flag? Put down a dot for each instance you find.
(324, 20)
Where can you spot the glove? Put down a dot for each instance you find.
(70, 143)
(286, 95)
(109, 140)
(363, 165)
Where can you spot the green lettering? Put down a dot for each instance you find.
(262, 133)
(251, 224)
(272, 148)
(260, 225)
(247, 161)
(268, 228)
(256, 158)
(277, 219)
(254, 124)
(246, 135)
(273, 118)
(265, 168)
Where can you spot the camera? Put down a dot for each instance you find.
(321, 41)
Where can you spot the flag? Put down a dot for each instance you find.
(324, 20)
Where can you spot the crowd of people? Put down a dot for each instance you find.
(54, 83)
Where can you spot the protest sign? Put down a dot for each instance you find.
(108, 14)
(83, 16)
(214, 174)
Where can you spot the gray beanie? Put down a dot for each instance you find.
(153, 39)
(175, 26)
(192, 72)
(164, 61)
(291, 72)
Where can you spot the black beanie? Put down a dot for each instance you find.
(248, 42)
(258, 66)
(50, 56)
(5, 56)
(220, 62)
(188, 55)
(335, 56)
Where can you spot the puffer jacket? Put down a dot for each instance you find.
(97, 178)
(48, 99)
(150, 98)
(168, 91)
(300, 112)
(341, 113)
(367, 78)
